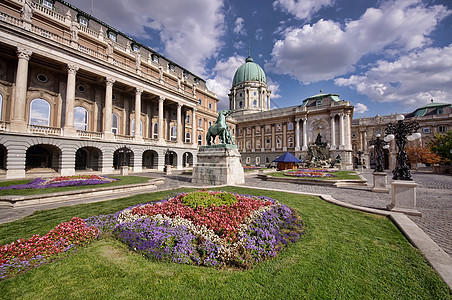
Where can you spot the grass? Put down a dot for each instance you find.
(344, 254)
(123, 180)
(338, 175)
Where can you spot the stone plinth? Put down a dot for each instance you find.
(124, 170)
(380, 182)
(404, 197)
(218, 164)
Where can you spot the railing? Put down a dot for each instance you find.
(44, 130)
(66, 42)
(4, 126)
(50, 36)
(121, 137)
(149, 140)
(89, 31)
(90, 134)
(10, 19)
(49, 12)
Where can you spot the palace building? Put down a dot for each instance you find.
(77, 94)
(432, 118)
(263, 134)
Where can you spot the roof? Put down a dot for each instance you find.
(423, 110)
(334, 97)
(287, 157)
(249, 71)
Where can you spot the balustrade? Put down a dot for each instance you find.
(44, 130)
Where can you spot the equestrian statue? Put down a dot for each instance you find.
(220, 129)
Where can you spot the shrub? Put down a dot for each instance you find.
(206, 199)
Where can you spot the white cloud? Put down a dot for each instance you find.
(259, 34)
(360, 108)
(190, 30)
(302, 9)
(221, 79)
(273, 86)
(412, 79)
(326, 49)
(239, 26)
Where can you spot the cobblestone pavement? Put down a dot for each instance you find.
(434, 199)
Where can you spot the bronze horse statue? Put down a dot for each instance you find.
(220, 129)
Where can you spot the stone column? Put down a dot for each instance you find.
(333, 133)
(161, 138)
(18, 122)
(297, 134)
(305, 134)
(179, 123)
(138, 136)
(108, 108)
(69, 129)
(341, 136)
(365, 141)
(194, 127)
(348, 141)
(284, 137)
(253, 142)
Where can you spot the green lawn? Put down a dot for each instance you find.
(344, 254)
(123, 180)
(338, 175)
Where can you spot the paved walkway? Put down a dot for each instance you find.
(434, 200)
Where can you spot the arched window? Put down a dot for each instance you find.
(248, 145)
(278, 143)
(114, 124)
(268, 144)
(258, 144)
(133, 127)
(80, 118)
(255, 103)
(199, 140)
(290, 142)
(188, 137)
(290, 126)
(187, 119)
(155, 131)
(39, 112)
(173, 135)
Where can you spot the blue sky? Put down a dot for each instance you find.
(383, 56)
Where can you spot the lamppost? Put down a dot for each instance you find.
(403, 188)
(124, 166)
(402, 133)
(378, 144)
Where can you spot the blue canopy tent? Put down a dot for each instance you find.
(287, 161)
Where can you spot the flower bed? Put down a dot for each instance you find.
(201, 228)
(26, 254)
(241, 234)
(310, 173)
(61, 181)
(251, 167)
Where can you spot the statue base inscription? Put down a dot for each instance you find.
(218, 164)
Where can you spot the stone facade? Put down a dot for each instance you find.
(73, 90)
(262, 137)
(433, 118)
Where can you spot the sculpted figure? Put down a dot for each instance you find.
(220, 129)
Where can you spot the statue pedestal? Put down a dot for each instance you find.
(379, 182)
(218, 164)
(404, 197)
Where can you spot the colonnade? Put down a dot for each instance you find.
(19, 122)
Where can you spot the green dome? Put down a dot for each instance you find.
(249, 71)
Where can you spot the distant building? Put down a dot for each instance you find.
(432, 118)
(77, 94)
(263, 134)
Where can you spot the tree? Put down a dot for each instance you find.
(441, 145)
(422, 154)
